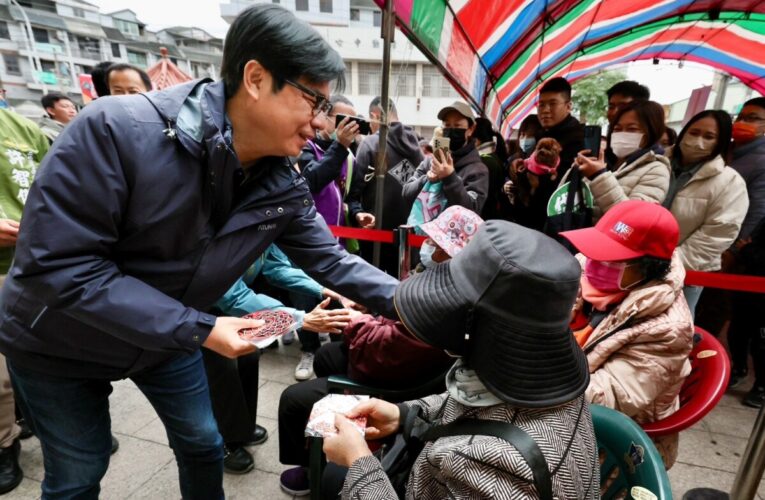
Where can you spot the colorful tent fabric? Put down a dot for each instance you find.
(166, 74)
(498, 52)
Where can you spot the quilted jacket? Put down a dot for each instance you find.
(489, 467)
(639, 369)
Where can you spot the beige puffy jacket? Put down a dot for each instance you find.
(639, 369)
(709, 209)
(646, 178)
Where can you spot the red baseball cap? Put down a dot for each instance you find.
(630, 229)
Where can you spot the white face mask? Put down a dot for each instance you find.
(426, 255)
(527, 144)
(624, 144)
(695, 149)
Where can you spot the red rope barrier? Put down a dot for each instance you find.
(735, 282)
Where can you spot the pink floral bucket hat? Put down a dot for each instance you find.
(453, 229)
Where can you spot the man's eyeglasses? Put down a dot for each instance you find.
(751, 118)
(320, 103)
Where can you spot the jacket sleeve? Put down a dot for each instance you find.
(241, 299)
(701, 250)
(376, 346)
(280, 272)
(756, 212)
(414, 185)
(366, 479)
(319, 173)
(308, 242)
(652, 186)
(72, 221)
(355, 192)
(470, 192)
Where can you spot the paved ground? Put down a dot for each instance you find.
(144, 466)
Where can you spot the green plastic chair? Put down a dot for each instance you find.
(631, 466)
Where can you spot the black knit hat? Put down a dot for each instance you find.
(504, 303)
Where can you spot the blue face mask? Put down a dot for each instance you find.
(527, 144)
(426, 255)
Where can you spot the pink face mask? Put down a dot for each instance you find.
(605, 276)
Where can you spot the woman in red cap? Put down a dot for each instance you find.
(631, 317)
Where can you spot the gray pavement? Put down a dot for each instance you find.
(144, 466)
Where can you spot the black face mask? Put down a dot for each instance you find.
(456, 137)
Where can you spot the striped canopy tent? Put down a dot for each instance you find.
(165, 74)
(498, 52)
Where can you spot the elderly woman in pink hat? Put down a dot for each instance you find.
(376, 351)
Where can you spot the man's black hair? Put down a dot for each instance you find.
(558, 85)
(98, 75)
(375, 104)
(284, 45)
(629, 88)
(125, 67)
(724, 133)
(50, 100)
(756, 101)
(484, 130)
(339, 98)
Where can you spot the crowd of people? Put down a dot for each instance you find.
(552, 274)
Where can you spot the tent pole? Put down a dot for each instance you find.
(382, 166)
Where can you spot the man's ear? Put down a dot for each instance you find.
(255, 78)
(570, 106)
(49, 112)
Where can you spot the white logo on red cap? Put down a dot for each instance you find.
(622, 230)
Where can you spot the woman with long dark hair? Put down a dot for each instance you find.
(708, 199)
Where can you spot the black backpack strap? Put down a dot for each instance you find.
(513, 434)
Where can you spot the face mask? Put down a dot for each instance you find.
(744, 132)
(456, 137)
(695, 149)
(605, 276)
(527, 144)
(625, 143)
(426, 255)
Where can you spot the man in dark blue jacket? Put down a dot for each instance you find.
(146, 210)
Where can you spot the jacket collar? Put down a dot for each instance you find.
(713, 167)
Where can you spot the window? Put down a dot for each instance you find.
(137, 58)
(126, 27)
(325, 5)
(41, 35)
(377, 18)
(4, 30)
(12, 66)
(434, 84)
(48, 66)
(78, 12)
(370, 78)
(116, 50)
(355, 15)
(301, 5)
(403, 79)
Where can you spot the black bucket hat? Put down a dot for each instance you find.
(504, 303)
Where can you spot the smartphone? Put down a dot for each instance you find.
(364, 128)
(592, 139)
(441, 143)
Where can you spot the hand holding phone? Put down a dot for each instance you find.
(364, 128)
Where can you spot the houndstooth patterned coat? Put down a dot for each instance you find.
(479, 467)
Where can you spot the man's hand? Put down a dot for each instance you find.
(365, 220)
(383, 418)
(224, 337)
(321, 320)
(442, 165)
(9, 231)
(347, 445)
(346, 131)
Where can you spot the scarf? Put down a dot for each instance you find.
(465, 386)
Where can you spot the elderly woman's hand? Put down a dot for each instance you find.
(383, 418)
(347, 445)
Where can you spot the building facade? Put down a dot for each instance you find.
(353, 28)
(69, 37)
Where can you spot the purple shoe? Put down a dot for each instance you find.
(295, 481)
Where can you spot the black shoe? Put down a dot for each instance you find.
(755, 398)
(26, 432)
(10, 472)
(736, 377)
(237, 460)
(115, 445)
(259, 436)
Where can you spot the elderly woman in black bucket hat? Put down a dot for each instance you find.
(514, 422)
